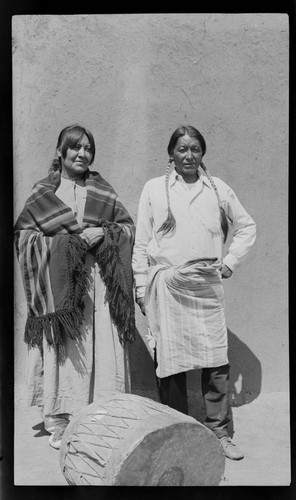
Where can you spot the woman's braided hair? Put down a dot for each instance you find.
(170, 223)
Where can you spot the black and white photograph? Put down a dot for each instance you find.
(150, 252)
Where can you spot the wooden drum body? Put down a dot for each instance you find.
(128, 440)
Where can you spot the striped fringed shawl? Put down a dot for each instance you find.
(52, 260)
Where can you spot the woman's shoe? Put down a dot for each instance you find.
(56, 437)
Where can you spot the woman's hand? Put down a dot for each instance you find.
(92, 235)
(225, 271)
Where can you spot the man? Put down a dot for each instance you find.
(178, 266)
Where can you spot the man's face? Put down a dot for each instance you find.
(187, 156)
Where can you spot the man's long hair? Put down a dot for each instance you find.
(170, 223)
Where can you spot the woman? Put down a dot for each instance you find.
(74, 241)
(178, 262)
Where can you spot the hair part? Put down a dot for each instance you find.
(186, 130)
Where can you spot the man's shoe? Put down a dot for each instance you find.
(230, 449)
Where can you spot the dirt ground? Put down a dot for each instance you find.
(261, 430)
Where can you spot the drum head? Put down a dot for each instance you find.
(128, 440)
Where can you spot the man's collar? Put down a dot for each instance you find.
(174, 176)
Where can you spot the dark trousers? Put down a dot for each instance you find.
(172, 391)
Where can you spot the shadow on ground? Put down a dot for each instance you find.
(245, 376)
(41, 430)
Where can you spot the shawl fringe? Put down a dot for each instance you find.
(67, 252)
(112, 271)
(78, 275)
(54, 326)
(63, 322)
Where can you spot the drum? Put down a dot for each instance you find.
(129, 440)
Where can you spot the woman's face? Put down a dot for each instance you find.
(187, 156)
(77, 159)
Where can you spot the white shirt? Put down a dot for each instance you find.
(74, 196)
(198, 231)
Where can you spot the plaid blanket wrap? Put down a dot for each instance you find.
(52, 260)
(185, 315)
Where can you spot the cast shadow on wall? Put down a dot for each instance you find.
(245, 371)
(245, 376)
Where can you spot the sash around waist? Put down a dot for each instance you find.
(185, 315)
(192, 274)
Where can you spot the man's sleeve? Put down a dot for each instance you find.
(243, 230)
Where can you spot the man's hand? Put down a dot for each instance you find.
(225, 271)
(141, 303)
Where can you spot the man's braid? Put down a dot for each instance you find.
(170, 222)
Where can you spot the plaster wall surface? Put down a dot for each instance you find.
(132, 79)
